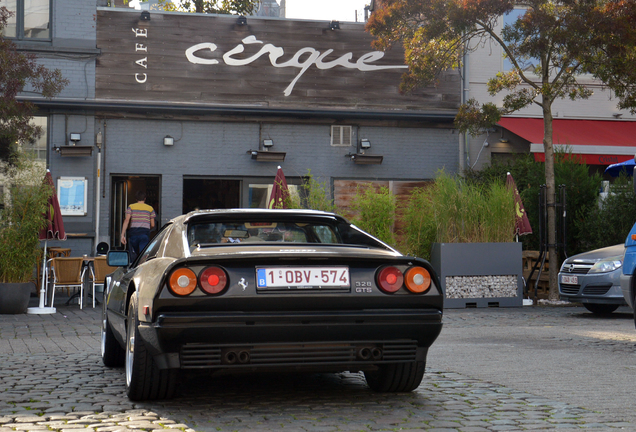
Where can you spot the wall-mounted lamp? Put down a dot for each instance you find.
(168, 140)
(145, 16)
(334, 25)
(74, 151)
(268, 143)
(241, 20)
(363, 159)
(74, 138)
(267, 156)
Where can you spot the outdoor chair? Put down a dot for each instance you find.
(99, 270)
(67, 273)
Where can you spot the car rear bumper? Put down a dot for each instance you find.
(308, 339)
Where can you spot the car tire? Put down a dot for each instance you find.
(600, 309)
(113, 355)
(398, 377)
(144, 380)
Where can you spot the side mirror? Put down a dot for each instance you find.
(118, 258)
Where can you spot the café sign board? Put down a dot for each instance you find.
(211, 59)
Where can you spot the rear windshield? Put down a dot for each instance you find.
(213, 233)
(247, 232)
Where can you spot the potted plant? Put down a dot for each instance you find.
(468, 231)
(21, 219)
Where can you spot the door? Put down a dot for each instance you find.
(123, 190)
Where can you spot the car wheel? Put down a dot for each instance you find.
(112, 352)
(144, 380)
(399, 377)
(600, 309)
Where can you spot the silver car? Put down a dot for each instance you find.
(593, 278)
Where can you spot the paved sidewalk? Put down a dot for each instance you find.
(52, 379)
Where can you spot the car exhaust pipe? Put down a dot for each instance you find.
(376, 353)
(364, 353)
(230, 357)
(243, 357)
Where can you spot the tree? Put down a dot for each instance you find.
(18, 72)
(238, 7)
(569, 38)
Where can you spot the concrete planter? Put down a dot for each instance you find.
(479, 274)
(14, 297)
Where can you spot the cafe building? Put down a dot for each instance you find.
(200, 110)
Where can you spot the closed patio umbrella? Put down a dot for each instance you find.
(280, 192)
(54, 230)
(522, 224)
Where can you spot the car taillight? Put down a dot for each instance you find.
(417, 280)
(183, 281)
(213, 280)
(390, 279)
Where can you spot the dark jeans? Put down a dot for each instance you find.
(138, 238)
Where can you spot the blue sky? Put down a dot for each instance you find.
(339, 10)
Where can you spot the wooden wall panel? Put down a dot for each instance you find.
(160, 63)
(345, 191)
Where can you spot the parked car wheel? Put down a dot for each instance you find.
(112, 353)
(399, 377)
(600, 309)
(144, 380)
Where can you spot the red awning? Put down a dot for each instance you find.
(598, 142)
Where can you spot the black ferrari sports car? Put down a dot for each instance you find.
(255, 290)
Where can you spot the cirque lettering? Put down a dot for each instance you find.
(303, 59)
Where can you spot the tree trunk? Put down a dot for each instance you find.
(550, 183)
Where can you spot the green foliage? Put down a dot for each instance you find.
(19, 70)
(312, 195)
(452, 210)
(581, 188)
(375, 212)
(21, 221)
(609, 222)
(237, 7)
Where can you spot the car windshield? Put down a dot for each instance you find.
(214, 233)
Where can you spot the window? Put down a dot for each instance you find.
(340, 135)
(38, 146)
(30, 21)
(259, 194)
(528, 64)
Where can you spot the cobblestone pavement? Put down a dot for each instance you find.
(489, 371)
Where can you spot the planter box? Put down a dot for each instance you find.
(14, 297)
(479, 274)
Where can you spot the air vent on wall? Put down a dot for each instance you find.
(340, 135)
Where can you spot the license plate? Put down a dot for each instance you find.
(570, 280)
(336, 277)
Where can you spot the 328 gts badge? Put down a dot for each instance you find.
(363, 287)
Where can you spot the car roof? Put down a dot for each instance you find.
(249, 212)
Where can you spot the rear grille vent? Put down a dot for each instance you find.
(197, 356)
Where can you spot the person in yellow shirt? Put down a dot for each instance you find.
(140, 219)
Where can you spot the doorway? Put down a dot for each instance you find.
(205, 193)
(123, 193)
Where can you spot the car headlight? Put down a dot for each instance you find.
(607, 265)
